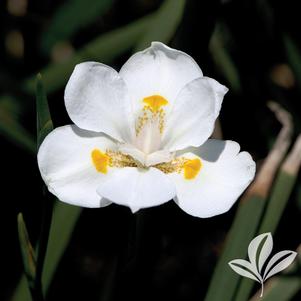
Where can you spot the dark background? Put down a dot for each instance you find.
(176, 253)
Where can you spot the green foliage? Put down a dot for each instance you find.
(28, 254)
(223, 59)
(44, 122)
(293, 57)
(105, 49)
(62, 226)
(70, 17)
(241, 233)
(11, 128)
(280, 194)
(164, 24)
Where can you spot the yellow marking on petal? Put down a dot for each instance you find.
(100, 161)
(192, 168)
(155, 102)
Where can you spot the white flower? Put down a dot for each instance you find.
(140, 138)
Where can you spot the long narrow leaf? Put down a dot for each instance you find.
(245, 224)
(282, 189)
(28, 254)
(293, 56)
(223, 59)
(11, 128)
(104, 49)
(44, 122)
(63, 223)
(69, 18)
(164, 24)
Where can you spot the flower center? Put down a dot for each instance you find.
(145, 150)
(101, 162)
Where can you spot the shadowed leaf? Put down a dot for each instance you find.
(69, 18)
(44, 122)
(164, 24)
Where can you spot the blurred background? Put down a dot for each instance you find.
(251, 46)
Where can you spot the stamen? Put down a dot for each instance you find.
(191, 167)
(118, 159)
(100, 161)
(152, 111)
(110, 158)
(155, 102)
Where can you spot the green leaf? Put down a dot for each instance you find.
(249, 213)
(223, 60)
(64, 220)
(281, 191)
(103, 49)
(44, 122)
(164, 24)
(223, 283)
(293, 56)
(62, 226)
(71, 16)
(11, 128)
(28, 254)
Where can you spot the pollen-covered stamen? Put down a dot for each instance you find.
(189, 167)
(152, 110)
(102, 161)
(155, 102)
(150, 124)
(118, 159)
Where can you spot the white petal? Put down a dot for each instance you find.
(219, 92)
(224, 175)
(65, 164)
(191, 120)
(137, 188)
(158, 69)
(96, 99)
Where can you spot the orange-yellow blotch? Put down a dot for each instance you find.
(192, 168)
(100, 161)
(155, 102)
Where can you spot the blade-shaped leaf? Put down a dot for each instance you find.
(68, 19)
(28, 254)
(245, 269)
(11, 128)
(104, 48)
(284, 259)
(259, 250)
(44, 122)
(164, 24)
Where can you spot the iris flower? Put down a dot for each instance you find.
(141, 138)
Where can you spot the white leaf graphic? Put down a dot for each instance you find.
(285, 257)
(259, 250)
(245, 269)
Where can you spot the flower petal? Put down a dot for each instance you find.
(224, 175)
(191, 120)
(96, 99)
(219, 92)
(158, 70)
(65, 163)
(137, 188)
